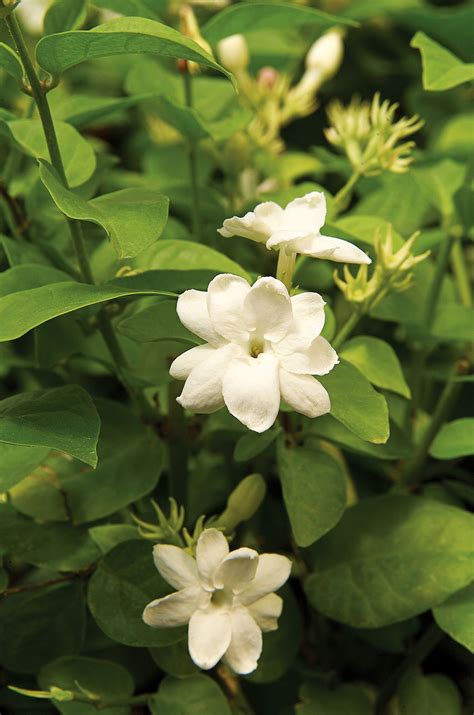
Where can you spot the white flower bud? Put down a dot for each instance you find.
(233, 53)
(31, 13)
(326, 54)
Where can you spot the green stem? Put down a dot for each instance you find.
(411, 474)
(237, 700)
(346, 329)
(9, 217)
(178, 447)
(193, 163)
(434, 291)
(461, 275)
(285, 267)
(428, 641)
(343, 194)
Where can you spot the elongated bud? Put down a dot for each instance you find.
(243, 502)
(189, 27)
(233, 53)
(326, 54)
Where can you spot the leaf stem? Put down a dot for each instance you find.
(178, 447)
(461, 275)
(342, 196)
(434, 291)
(285, 267)
(346, 329)
(193, 161)
(428, 641)
(237, 700)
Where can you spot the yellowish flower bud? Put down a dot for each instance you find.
(233, 53)
(325, 55)
(243, 502)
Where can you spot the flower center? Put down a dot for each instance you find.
(221, 598)
(256, 347)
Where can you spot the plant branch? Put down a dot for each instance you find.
(193, 161)
(237, 700)
(458, 263)
(346, 329)
(52, 582)
(342, 196)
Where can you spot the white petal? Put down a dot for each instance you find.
(333, 249)
(236, 570)
(175, 609)
(177, 567)
(212, 548)
(266, 612)
(225, 302)
(318, 358)
(308, 321)
(202, 390)
(304, 394)
(192, 312)
(256, 225)
(209, 636)
(251, 391)
(246, 645)
(268, 309)
(182, 366)
(307, 213)
(288, 238)
(273, 571)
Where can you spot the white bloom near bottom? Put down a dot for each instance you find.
(226, 597)
(261, 346)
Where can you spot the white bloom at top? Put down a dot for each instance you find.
(296, 229)
(326, 53)
(226, 597)
(233, 53)
(31, 14)
(261, 346)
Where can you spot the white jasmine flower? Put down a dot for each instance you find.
(261, 346)
(233, 53)
(226, 597)
(296, 229)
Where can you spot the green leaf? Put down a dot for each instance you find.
(428, 695)
(132, 218)
(108, 681)
(441, 69)
(26, 309)
(78, 156)
(251, 444)
(456, 616)
(17, 462)
(356, 404)
(318, 699)
(63, 418)
(252, 16)
(122, 36)
(126, 580)
(199, 695)
(314, 491)
(378, 362)
(10, 62)
(174, 660)
(64, 15)
(452, 323)
(58, 547)
(397, 446)
(390, 558)
(157, 322)
(455, 439)
(107, 536)
(51, 619)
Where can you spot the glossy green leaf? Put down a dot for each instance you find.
(174, 659)
(191, 125)
(63, 418)
(378, 361)
(107, 536)
(59, 547)
(132, 218)
(157, 322)
(17, 462)
(109, 681)
(314, 491)
(420, 694)
(151, 9)
(441, 69)
(455, 439)
(356, 404)
(64, 15)
(318, 698)
(199, 695)
(124, 583)
(26, 309)
(124, 35)
(252, 16)
(77, 154)
(456, 616)
(10, 62)
(390, 558)
(453, 323)
(251, 444)
(51, 618)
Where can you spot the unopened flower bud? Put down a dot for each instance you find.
(243, 502)
(233, 53)
(358, 288)
(267, 78)
(326, 54)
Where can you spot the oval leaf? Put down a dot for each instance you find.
(455, 439)
(378, 361)
(456, 616)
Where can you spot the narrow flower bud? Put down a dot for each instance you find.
(326, 54)
(233, 53)
(243, 502)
